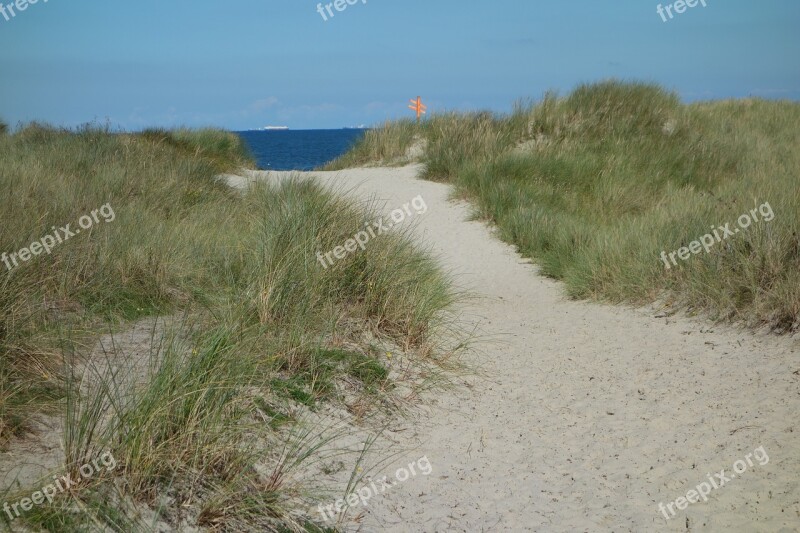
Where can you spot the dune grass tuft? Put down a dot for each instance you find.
(387, 145)
(264, 328)
(595, 185)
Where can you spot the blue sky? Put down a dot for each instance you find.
(249, 63)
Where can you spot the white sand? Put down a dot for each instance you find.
(590, 415)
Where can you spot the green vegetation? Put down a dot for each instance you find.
(387, 145)
(255, 328)
(595, 185)
(218, 146)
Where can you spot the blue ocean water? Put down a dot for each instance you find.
(298, 149)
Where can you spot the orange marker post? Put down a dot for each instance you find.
(418, 106)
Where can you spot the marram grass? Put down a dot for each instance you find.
(593, 186)
(256, 325)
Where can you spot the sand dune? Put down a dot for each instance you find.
(589, 415)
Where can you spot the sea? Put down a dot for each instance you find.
(299, 149)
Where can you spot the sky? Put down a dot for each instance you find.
(245, 64)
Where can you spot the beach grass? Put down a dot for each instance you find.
(593, 187)
(386, 145)
(254, 326)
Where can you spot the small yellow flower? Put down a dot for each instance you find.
(389, 355)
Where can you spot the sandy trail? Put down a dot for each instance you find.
(591, 415)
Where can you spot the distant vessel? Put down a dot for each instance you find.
(270, 128)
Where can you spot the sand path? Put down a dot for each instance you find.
(589, 415)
